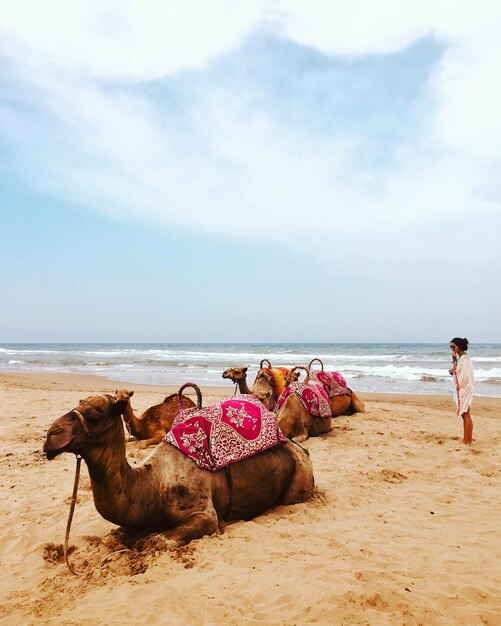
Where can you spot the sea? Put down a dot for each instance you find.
(415, 368)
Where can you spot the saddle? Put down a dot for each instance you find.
(311, 393)
(312, 396)
(333, 382)
(226, 432)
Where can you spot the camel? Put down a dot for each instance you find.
(239, 376)
(294, 419)
(346, 404)
(152, 426)
(269, 383)
(169, 492)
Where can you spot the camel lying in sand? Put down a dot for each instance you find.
(169, 492)
(267, 389)
(345, 404)
(239, 376)
(294, 419)
(150, 427)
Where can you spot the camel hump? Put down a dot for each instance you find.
(263, 361)
(313, 361)
(292, 376)
(197, 390)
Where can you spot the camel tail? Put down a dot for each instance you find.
(357, 405)
(198, 392)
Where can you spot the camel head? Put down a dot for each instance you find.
(235, 373)
(293, 375)
(264, 388)
(126, 395)
(93, 423)
(123, 394)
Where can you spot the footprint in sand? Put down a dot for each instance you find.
(375, 601)
(392, 476)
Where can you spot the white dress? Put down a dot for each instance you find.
(464, 380)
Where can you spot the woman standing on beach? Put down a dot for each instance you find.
(464, 384)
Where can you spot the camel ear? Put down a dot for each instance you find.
(245, 369)
(119, 407)
(131, 393)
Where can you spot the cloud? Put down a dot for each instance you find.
(181, 115)
(137, 40)
(467, 93)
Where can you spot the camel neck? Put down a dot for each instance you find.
(243, 387)
(112, 480)
(134, 422)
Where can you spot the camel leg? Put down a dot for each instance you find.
(320, 426)
(301, 485)
(340, 405)
(195, 526)
(293, 418)
(152, 441)
(357, 406)
(292, 426)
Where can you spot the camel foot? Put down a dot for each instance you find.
(156, 543)
(300, 438)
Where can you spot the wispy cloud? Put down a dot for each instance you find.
(188, 116)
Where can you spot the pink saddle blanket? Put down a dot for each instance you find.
(229, 431)
(312, 395)
(333, 383)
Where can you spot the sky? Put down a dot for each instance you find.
(252, 171)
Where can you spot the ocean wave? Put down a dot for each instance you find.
(101, 364)
(111, 351)
(405, 372)
(41, 362)
(484, 374)
(393, 368)
(357, 357)
(249, 358)
(431, 379)
(14, 351)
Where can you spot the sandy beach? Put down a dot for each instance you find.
(404, 526)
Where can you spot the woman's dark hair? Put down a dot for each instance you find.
(462, 344)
